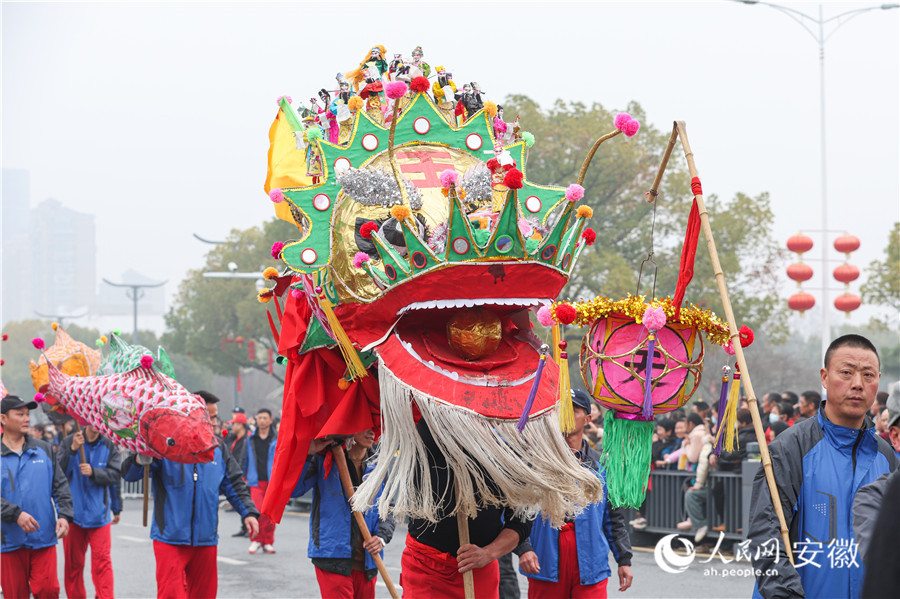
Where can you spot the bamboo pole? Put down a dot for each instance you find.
(654, 189)
(341, 461)
(681, 130)
(462, 525)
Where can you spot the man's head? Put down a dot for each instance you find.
(769, 401)
(15, 415)
(744, 419)
(693, 421)
(786, 410)
(789, 397)
(264, 418)
(893, 419)
(809, 403)
(238, 424)
(850, 379)
(581, 404)
(880, 401)
(212, 402)
(701, 408)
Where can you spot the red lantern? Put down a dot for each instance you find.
(799, 243)
(846, 243)
(801, 302)
(846, 273)
(799, 272)
(847, 302)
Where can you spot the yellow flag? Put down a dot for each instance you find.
(287, 164)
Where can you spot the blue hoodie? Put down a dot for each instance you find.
(93, 497)
(32, 482)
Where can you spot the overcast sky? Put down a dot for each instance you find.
(155, 117)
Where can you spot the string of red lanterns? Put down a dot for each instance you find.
(845, 273)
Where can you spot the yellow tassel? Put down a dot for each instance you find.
(355, 368)
(730, 419)
(555, 331)
(566, 411)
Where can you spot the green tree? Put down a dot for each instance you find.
(213, 319)
(883, 285)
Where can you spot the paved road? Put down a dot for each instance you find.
(289, 574)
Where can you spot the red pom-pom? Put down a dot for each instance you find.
(5, 336)
(146, 361)
(367, 229)
(565, 314)
(746, 335)
(419, 85)
(38, 343)
(509, 167)
(513, 179)
(493, 165)
(589, 236)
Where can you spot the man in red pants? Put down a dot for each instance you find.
(258, 462)
(93, 484)
(31, 525)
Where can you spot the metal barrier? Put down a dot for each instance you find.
(728, 501)
(131, 490)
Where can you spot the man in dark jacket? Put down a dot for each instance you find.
(819, 466)
(31, 526)
(573, 561)
(185, 518)
(258, 463)
(94, 492)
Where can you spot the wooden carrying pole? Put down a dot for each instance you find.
(341, 461)
(462, 524)
(80, 449)
(681, 132)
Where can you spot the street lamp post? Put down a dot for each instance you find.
(134, 291)
(816, 28)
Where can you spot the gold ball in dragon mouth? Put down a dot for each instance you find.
(474, 333)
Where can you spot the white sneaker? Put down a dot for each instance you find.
(254, 547)
(268, 548)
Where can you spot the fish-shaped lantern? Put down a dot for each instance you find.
(141, 410)
(68, 355)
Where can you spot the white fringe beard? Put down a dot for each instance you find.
(535, 471)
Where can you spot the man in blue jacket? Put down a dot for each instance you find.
(94, 493)
(186, 518)
(31, 525)
(574, 560)
(819, 465)
(258, 467)
(343, 560)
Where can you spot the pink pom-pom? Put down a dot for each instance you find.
(276, 249)
(296, 293)
(631, 127)
(276, 195)
(654, 318)
(621, 120)
(729, 347)
(39, 397)
(38, 343)
(396, 90)
(359, 259)
(280, 98)
(449, 177)
(289, 100)
(574, 192)
(544, 316)
(146, 361)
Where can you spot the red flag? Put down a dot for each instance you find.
(314, 405)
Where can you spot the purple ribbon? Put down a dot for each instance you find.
(647, 409)
(723, 404)
(534, 387)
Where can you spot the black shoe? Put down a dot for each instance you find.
(241, 533)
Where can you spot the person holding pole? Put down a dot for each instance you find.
(345, 561)
(819, 465)
(186, 518)
(93, 467)
(438, 557)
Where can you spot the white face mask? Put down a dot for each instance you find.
(773, 418)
